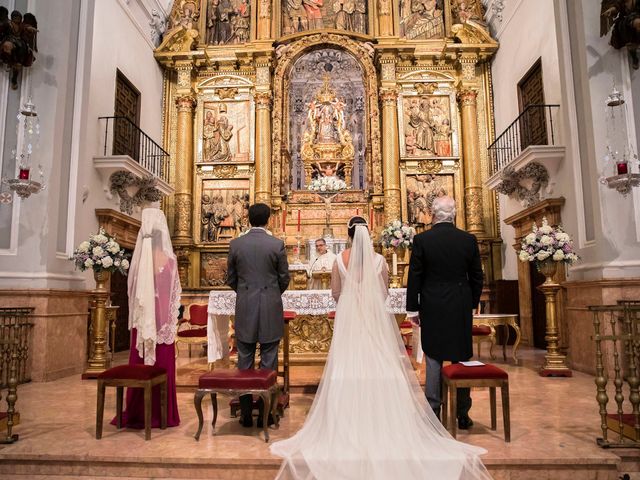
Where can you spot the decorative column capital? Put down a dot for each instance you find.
(384, 7)
(467, 97)
(389, 96)
(264, 9)
(263, 99)
(467, 63)
(185, 74)
(186, 103)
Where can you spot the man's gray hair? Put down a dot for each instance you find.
(443, 209)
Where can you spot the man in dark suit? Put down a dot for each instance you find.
(258, 271)
(444, 286)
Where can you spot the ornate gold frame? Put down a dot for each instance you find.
(287, 55)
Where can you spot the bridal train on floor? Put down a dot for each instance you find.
(370, 418)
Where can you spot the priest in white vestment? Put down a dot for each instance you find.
(322, 263)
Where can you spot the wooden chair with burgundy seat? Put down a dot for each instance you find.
(283, 397)
(483, 333)
(238, 382)
(196, 331)
(459, 376)
(133, 376)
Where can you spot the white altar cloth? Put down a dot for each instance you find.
(222, 304)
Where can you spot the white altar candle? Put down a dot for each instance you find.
(394, 264)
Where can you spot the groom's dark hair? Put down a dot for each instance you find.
(259, 214)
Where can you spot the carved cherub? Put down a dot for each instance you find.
(622, 18)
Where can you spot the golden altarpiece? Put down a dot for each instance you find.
(263, 96)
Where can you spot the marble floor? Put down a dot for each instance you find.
(554, 426)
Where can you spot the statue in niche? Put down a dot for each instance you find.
(183, 35)
(228, 21)
(360, 17)
(327, 145)
(17, 42)
(313, 9)
(295, 17)
(427, 126)
(344, 13)
(216, 133)
(421, 19)
(622, 18)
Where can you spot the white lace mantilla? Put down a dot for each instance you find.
(303, 302)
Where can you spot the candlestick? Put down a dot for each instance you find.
(284, 219)
(298, 220)
(394, 264)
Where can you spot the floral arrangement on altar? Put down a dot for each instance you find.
(101, 253)
(327, 184)
(397, 235)
(547, 242)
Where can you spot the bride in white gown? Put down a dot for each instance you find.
(370, 418)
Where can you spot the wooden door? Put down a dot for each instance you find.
(538, 308)
(533, 125)
(127, 104)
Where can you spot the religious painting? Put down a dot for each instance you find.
(213, 269)
(226, 132)
(303, 15)
(224, 209)
(421, 19)
(420, 191)
(427, 129)
(227, 22)
(327, 119)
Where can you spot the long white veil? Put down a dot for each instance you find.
(153, 285)
(370, 418)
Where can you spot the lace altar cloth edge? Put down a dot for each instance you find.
(303, 302)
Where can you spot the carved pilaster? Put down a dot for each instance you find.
(385, 18)
(263, 100)
(467, 63)
(467, 98)
(264, 20)
(184, 263)
(184, 170)
(390, 153)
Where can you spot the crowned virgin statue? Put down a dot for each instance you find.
(327, 147)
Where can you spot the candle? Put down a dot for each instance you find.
(394, 264)
(284, 219)
(24, 174)
(298, 219)
(621, 168)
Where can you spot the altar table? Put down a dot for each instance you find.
(222, 305)
(505, 320)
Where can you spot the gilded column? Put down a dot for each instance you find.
(390, 154)
(467, 98)
(385, 18)
(263, 146)
(263, 31)
(184, 171)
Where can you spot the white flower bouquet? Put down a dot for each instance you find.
(547, 242)
(327, 184)
(101, 252)
(397, 235)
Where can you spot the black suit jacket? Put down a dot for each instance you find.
(444, 285)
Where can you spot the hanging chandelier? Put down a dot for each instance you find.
(28, 130)
(620, 157)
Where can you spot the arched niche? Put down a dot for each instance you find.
(287, 58)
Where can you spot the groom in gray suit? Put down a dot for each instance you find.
(258, 271)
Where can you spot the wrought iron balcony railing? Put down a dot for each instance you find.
(534, 126)
(123, 137)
